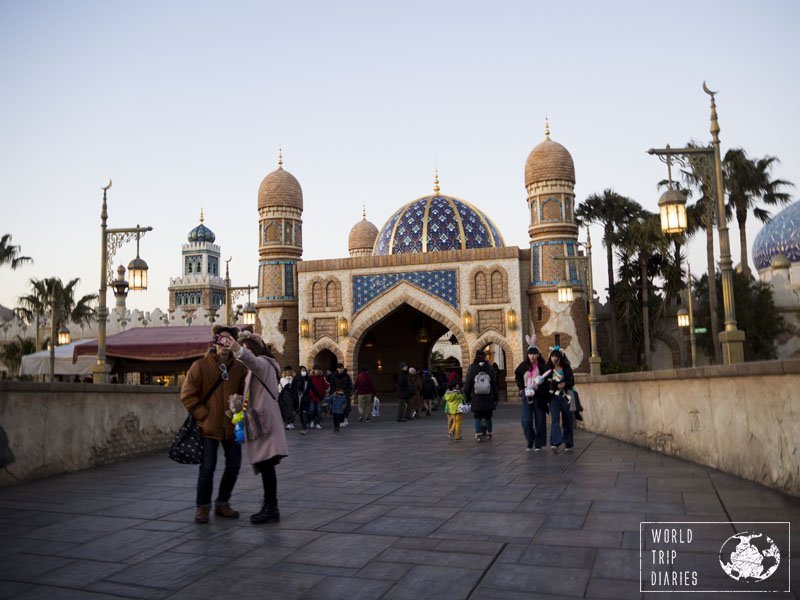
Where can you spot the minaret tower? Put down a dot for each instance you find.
(280, 247)
(550, 184)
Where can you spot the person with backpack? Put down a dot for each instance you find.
(428, 388)
(481, 388)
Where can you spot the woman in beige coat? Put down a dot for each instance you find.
(265, 442)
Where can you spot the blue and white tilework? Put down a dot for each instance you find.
(442, 284)
(780, 236)
(435, 224)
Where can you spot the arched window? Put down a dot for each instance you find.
(330, 294)
(497, 285)
(317, 300)
(480, 286)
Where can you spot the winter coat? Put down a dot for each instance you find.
(318, 389)
(341, 381)
(202, 376)
(484, 402)
(452, 400)
(569, 377)
(521, 375)
(363, 385)
(403, 388)
(260, 400)
(428, 388)
(415, 385)
(338, 403)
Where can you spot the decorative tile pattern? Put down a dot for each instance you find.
(192, 264)
(201, 233)
(780, 236)
(442, 284)
(436, 224)
(213, 265)
(288, 279)
(546, 271)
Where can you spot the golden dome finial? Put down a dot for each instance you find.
(436, 181)
(280, 158)
(546, 128)
(364, 211)
(201, 214)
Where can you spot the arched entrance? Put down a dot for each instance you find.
(326, 360)
(325, 354)
(405, 334)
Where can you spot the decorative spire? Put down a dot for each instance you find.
(436, 182)
(280, 158)
(364, 212)
(546, 128)
(201, 215)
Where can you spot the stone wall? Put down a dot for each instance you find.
(62, 427)
(742, 419)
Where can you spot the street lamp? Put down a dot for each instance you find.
(112, 240)
(565, 296)
(64, 336)
(683, 318)
(232, 293)
(708, 163)
(672, 205)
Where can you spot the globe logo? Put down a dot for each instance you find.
(749, 557)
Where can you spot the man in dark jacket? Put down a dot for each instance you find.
(215, 377)
(483, 400)
(403, 392)
(340, 380)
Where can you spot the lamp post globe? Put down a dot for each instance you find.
(672, 207)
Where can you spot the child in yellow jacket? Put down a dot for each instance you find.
(453, 398)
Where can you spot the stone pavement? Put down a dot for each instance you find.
(381, 510)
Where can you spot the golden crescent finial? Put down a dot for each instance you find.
(708, 91)
(546, 128)
(201, 214)
(107, 187)
(280, 158)
(436, 182)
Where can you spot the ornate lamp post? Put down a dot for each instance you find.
(232, 293)
(112, 240)
(708, 162)
(565, 296)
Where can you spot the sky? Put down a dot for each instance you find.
(185, 104)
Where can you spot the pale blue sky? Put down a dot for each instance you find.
(184, 104)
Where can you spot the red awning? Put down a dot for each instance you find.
(154, 343)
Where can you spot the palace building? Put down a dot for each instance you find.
(437, 270)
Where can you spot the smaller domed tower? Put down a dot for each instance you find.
(362, 236)
(550, 185)
(200, 286)
(280, 248)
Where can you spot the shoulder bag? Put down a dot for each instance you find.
(187, 447)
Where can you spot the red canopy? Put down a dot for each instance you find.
(154, 343)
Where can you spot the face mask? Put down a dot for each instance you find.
(480, 364)
(303, 373)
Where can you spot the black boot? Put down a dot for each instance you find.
(268, 514)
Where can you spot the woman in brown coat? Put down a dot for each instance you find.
(265, 443)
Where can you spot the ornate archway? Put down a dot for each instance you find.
(324, 344)
(386, 305)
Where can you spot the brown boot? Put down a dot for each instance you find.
(201, 514)
(223, 509)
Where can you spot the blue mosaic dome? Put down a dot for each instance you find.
(201, 233)
(436, 224)
(780, 236)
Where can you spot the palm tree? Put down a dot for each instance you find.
(747, 182)
(11, 354)
(9, 254)
(52, 298)
(613, 211)
(643, 239)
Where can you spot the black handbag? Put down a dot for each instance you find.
(187, 447)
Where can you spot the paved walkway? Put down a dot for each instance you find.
(381, 510)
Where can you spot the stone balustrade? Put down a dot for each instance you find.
(742, 419)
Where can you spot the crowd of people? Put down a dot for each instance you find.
(240, 376)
